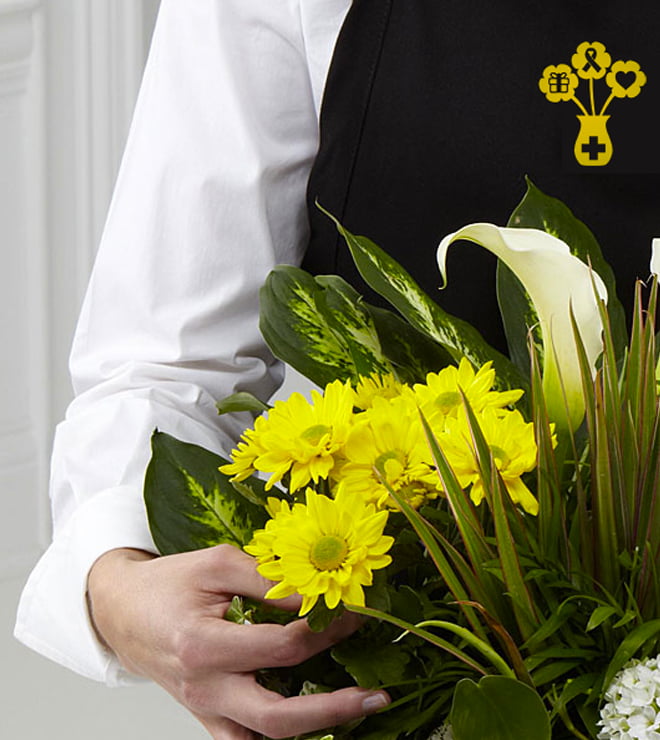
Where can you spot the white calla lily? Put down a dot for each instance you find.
(557, 282)
(655, 256)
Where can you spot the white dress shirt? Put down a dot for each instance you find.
(210, 197)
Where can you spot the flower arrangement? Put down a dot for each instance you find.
(496, 518)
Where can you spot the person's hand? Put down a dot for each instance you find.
(163, 618)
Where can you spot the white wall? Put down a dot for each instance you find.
(69, 73)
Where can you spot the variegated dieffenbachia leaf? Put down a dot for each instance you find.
(190, 504)
(341, 305)
(318, 327)
(540, 211)
(390, 280)
(412, 354)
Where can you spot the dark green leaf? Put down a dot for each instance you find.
(552, 671)
(296, 332)
(373, 665)
(498, 708)
(320, 617)
(412, 353)
(190, 504)
(519, 317)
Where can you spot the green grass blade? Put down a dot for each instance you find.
(507, 553)
(424, 634)
(428, 537)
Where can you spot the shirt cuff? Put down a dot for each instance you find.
(53, 618)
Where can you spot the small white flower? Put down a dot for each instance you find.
(632, 708)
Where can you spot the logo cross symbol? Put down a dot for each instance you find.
(593, 148)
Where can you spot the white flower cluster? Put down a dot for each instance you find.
(442, 733)
(632, 711)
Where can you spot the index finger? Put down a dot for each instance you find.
(227, 569)
(243, 648)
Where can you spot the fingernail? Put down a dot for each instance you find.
(375, 702)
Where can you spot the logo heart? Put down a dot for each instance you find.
(625, 79)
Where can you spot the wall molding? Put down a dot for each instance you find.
(69, 75)
(24, 419)
(16, 44)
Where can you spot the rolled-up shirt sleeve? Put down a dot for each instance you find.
(209, 198)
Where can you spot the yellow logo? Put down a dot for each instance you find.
(591, 62)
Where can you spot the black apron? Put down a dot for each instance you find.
(433, 115)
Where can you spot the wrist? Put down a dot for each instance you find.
(105, 584)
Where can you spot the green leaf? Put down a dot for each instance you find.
(424, 634)
(412, 353)
(507, 546)
(320, 326)
(498, 708)
(519, 317)
(630, 646)
(342, 308)
(599, 615)
(389, 279)
(552, 671)
(444, 568)
(254, 490)
(190, 504)
(628, 617)
(236, 612)
(242, 401)
(373, 665)
(296, 332)
(320, 617)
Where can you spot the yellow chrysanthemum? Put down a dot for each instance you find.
(513, 446)
(326, 547)
(388, 443)
(298, 437)
(247, 451)
(261, 545)
(440, 396)
(376, 386)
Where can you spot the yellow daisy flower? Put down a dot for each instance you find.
(388, 443)
(326, 547)
(245, 454)
(512, 443)
(261, 545)
(440, 396)
(297, 437)
(376, 386)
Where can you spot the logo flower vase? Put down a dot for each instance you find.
(593, 146)
(591, 68)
